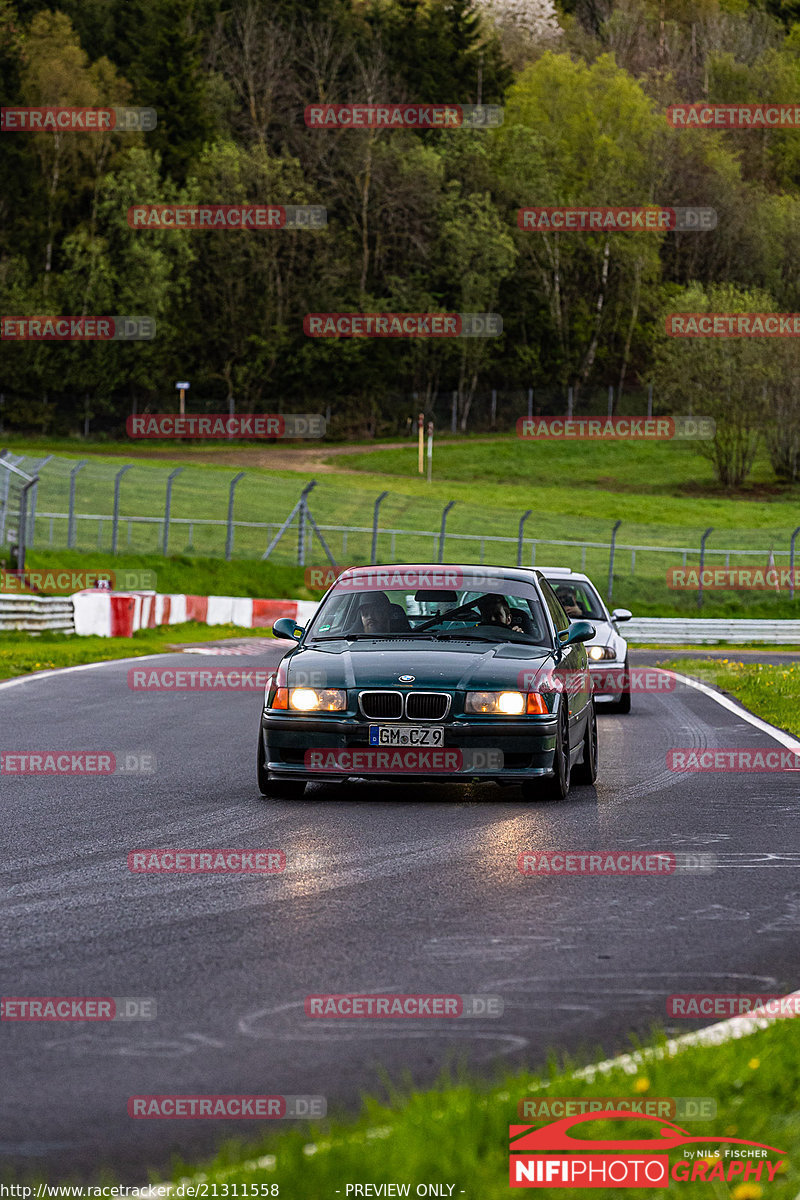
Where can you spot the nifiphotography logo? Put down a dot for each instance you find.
(553, 1156)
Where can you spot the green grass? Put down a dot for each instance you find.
(664, 495)
(24, 653)
(185, 574)
(771, 692)
(458, 1132)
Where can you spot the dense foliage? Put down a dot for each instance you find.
(416, 220)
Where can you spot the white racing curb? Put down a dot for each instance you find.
(735, 707)
(713, 1035)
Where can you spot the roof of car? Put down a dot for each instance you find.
(564, 573)
(521, 574)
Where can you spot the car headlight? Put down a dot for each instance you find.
(306, 699)
(507, 704)
(596, 653)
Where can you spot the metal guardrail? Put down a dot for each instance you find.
(33, 614)
(688, 631)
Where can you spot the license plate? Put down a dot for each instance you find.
(406, 735)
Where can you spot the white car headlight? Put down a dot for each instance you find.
(596, 653)
(507, 704)
(305, 699)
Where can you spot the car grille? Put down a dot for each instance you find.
(427, 706)
(386, 706)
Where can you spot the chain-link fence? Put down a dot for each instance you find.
(110, 506)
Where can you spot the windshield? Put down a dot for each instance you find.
(579, 600)
(500, 610)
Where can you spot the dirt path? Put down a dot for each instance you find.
(277, 458)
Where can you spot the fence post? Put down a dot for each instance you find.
(115, 521)
(611, 399)
(445, 511)
(454, 414)
(4, 501)
(522, 521)
(569, 404)
(23, 515)
(611, 560)
(373, 558)
(301, 523)
(167, 506)
(530, 402)
(71, 519)
(494, 408)
(650, 401)
(229, 534)
(32, 506)
(791, 563)
(702, 561)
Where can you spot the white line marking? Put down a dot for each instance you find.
(106, 662)
(733, 706)
(712, 1035)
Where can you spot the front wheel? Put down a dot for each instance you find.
(586, 771)
(555, 786)
(276, 789)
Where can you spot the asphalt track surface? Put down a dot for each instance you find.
(387, 889)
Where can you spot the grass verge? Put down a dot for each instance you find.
(186, 574)
(771, 692)
(457, 1133)
(24, 653)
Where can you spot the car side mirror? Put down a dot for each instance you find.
(621, 614)
(579, 631)
(285, 627)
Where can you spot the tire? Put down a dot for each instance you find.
(623, 705)
(586, 771)
(276, 789)
(555, 786)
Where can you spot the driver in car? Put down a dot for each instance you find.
(570, 603)
(374, 614)
(495, 610)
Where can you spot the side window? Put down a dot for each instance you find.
(560, 618)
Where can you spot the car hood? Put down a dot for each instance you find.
(437, 665)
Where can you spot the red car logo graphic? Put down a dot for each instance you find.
(556, 1136)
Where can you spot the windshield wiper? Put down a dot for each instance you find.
(352, 637)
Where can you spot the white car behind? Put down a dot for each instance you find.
(608, 650)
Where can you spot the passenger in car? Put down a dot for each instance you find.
(495, 610)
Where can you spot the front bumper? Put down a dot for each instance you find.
(609, 680)
(526, 745)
